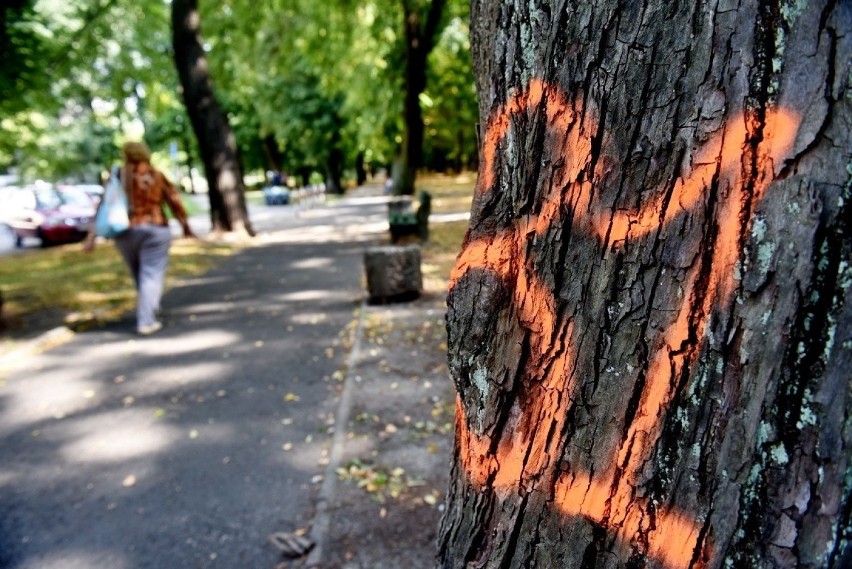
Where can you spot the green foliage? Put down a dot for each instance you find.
(306, 118)
(449, 103)
(298, 79)
(24, 46)
(105, 75)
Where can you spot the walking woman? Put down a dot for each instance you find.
(145, 246)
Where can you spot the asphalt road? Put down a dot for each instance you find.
(188, 448)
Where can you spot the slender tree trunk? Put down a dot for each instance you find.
(215, 139)
(305, 174)
(190, 163)
(274, 156)
(334, 172)
(360, 169)
(650, 322)
(420, 36)
(461, 159)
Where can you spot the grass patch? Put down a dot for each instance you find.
(98, 285)
(255, 197)
(450, 193)
(190, 206)
(439, 254)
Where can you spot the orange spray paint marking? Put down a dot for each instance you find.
(780, 133)
(560, 116)
(523, 456)
(722, 153)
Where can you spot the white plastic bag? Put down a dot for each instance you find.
(112, 219)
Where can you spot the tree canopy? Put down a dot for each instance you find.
(304, 84)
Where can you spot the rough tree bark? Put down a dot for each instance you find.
(215, 139)
(420, 36)
(650, 322)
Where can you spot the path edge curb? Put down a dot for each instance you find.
(40, 343)
(322, 518)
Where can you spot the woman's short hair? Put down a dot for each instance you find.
(136, 152)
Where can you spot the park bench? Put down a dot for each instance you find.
(404, 222)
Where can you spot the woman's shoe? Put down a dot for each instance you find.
(149, 329)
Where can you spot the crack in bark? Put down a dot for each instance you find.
(820, 135)
(680, 338)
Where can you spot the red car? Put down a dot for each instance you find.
(44, 212)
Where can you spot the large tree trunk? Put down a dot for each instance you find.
(650, 323)
(420, 36)
(215, 139)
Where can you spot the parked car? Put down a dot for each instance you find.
(276, 195)
(43, 211)
(76, 195)
(94, 191)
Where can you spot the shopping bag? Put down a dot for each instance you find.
(112, 219)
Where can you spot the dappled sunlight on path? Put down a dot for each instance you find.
(190, 446)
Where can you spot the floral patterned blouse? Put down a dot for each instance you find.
(147, 189)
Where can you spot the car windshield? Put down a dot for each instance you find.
(73, 196)
(47, 198)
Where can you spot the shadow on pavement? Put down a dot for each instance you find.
(189, 447)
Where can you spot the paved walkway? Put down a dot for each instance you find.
(188, 448)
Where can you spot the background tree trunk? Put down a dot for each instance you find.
(420, 36)
(216, 141)
(274, 156)
(334, 172)
(360, 169)
(650, 323)
(190, 163)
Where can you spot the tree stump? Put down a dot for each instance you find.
(393, 273)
